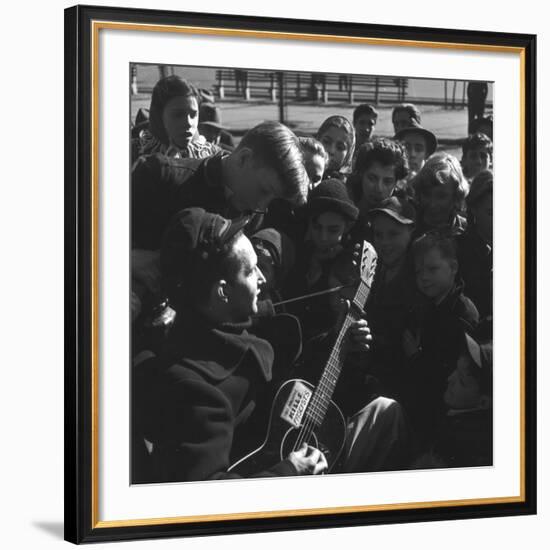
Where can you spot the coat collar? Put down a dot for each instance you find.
(217, 351)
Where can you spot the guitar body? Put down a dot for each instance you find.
(288, 423)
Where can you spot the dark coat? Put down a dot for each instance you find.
(389, 308)
(198, 404)
(441, 328)
(465, 438)
(162, 186)
(475, 265)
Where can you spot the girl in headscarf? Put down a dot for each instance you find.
(338, 138)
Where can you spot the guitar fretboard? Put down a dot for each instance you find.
(327, 383)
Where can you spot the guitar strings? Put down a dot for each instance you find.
(315, 406)
(318, 403)
(308, 427)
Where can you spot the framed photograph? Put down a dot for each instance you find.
(293, 299)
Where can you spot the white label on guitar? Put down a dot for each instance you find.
(296, 404)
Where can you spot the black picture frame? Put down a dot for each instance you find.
(80, 495)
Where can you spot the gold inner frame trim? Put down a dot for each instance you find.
(112, 25)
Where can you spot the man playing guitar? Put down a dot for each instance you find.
(196, 405)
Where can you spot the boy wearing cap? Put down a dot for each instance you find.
(330, 216)
(465, 435)
(393, 291)
(420, 144)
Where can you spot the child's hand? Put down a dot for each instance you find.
(360, 336)
(411, 343)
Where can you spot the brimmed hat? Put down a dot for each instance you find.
(192, 239)
(401, 210)
(431, 140)
(331, 196)
(481, 185)
(210, 115)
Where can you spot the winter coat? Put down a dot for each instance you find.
(198, 403)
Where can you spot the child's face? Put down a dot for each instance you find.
(475, 160)
(180, 118)
(377, 183)
(315, 168)
(335, 142)
(437, 203)
(435, 275)
(483, 214)
(327, 231)
(391, 239)
(463, 390)
(416, 149)
(364, 127)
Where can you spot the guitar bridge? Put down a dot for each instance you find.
(296, 404)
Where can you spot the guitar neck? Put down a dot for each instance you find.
(329, 378)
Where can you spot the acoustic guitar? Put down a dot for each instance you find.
(302, 412)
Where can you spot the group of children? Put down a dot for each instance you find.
(429, 217)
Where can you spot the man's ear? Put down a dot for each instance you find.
(220, 291)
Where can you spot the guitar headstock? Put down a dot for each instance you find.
(367, 265)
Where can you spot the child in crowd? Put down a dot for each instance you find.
(467, 434)
(404, 115)
(338, 138)
(477, 154)
(281, 215)
(464, 436)
(430, 341)
(330, 216)
(393, 292)
(173, 122)
(379, 167)
(315, 159)
(365, 117)
(440, 189)
(475, 246)
(420, 144)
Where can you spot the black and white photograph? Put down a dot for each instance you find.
(311, 266)
(300, 301)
